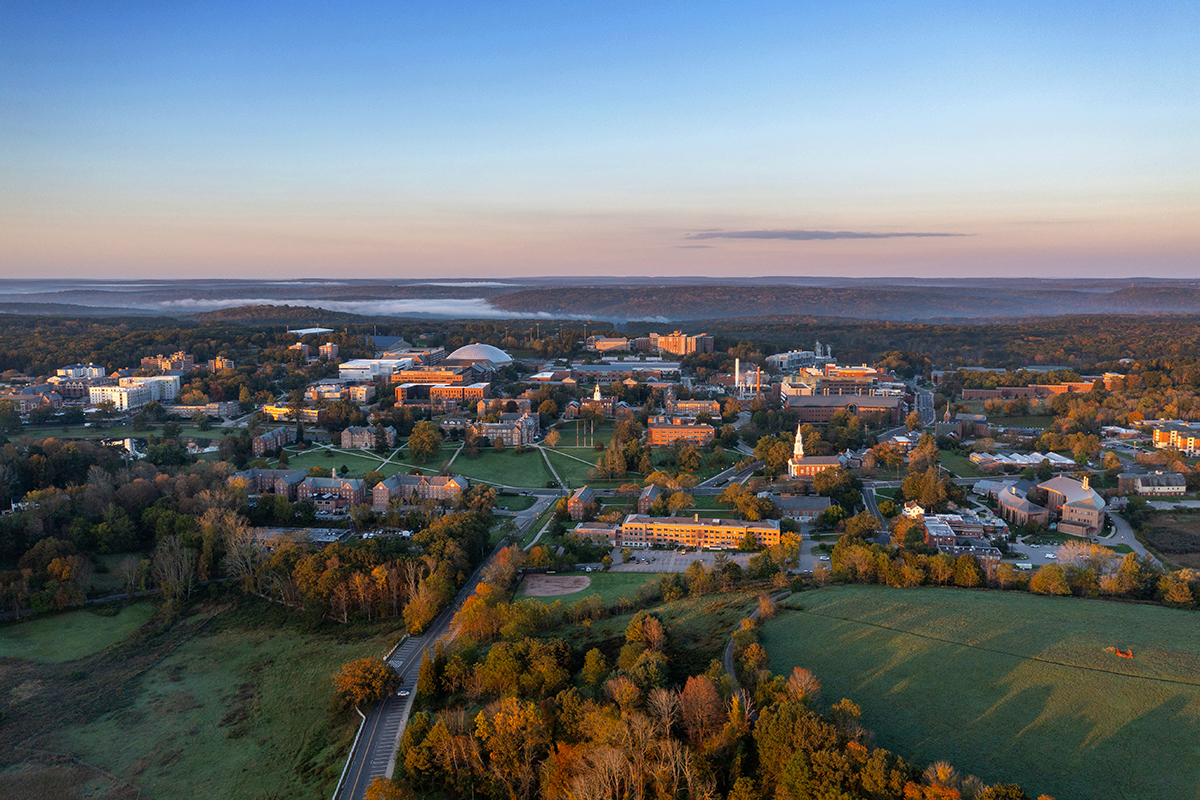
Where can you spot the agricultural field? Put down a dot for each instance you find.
(611, 586)
(1010, 686)
(233, 700)
(527, 470)
(1176, 536)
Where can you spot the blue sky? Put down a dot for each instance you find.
(390, 139)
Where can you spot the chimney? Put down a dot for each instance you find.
(697, 517)
(1086, 483)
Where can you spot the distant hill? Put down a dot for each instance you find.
(899, 303)
(279, 315)
(71, 310)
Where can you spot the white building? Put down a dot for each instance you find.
(81, 371)
(162, 387)
(124, 398)
(367, 369)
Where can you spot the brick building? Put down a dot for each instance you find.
(365, 438)
(423, 487)
(272, 440)
(667, 431)
(580, 501)
(514, 430)
(723, 534)
(332, 494)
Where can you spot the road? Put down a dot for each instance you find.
(375, 752)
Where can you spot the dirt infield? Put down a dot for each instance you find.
(553, 585)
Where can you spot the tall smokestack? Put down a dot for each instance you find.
(737, 372)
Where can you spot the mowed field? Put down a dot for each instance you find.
(1009, 686)
(611, 586)
(234, 701)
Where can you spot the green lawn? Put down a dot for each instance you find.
(1010, 686)
(958, 464)
(515, 502)
(232, 702)
(1031, 421)
(71, 636)
(526, 470)
(611, 586)
(359, 462)
(576, 473)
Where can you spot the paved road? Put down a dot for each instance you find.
(374, 755)
(1123, 534)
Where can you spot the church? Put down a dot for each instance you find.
(805, 468)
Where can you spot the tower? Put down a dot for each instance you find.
(798, 449)
(596, 394)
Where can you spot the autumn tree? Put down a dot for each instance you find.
(366, 680)
(424, 440)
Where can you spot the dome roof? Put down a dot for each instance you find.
(480, 352)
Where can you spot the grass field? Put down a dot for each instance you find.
(611, 586)
(360, 462)
(1176, 536)
(515, 502)
(232, 701)
(959, 465)
(508, 468)
(70, 636)
(1011, 687)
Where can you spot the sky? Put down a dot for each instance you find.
(402, 140)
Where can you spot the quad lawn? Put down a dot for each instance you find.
(526, 470)
(1010, 686)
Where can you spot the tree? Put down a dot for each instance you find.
(173, 566)
(913, 420)
(680, 501)
(700, 708)
(10, 418)
(386, 789)
(1050, 579)
(424, 440)
(553, 437)
(366, 680)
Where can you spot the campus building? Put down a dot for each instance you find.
(819, 409)
(332, 494)
(514, 430)
(580, 502)
(720, 534)
(1174, 436)
(366, 438)
(1154, 484)
(422, 487)
(681, 344)
(667, 431)
(801, 467)
(272, 440)
(1079, 507)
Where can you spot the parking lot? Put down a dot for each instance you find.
(669, 560)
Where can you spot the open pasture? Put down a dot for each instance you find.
(1010, 686)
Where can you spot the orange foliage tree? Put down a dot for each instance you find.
(366, 680)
